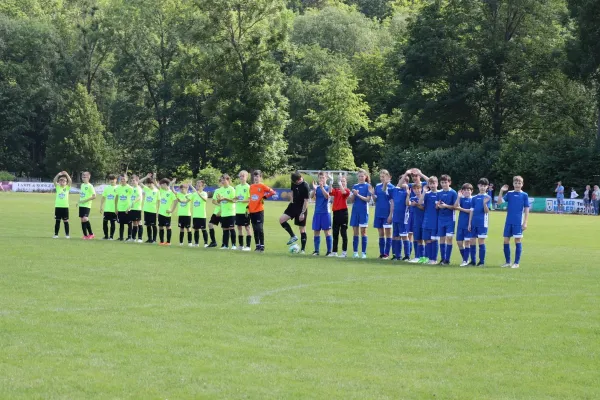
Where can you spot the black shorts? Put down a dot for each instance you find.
(149, 218)
(242, 220)
(184, 221)
(61, 213)
(199, 223)
(110, 216)
(84, 212)
(215, 219)
(257, 218)
(340, 217)
(135, 215)
(164, 221)
(294, 211)
(227, 222)
(123, 217)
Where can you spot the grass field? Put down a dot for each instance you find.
(82, 320)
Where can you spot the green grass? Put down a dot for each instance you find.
(81, 320)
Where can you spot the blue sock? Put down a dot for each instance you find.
(518, 251)
(482, 253)
(428, 249)
(317, 243)
(381, 245)
(465, 253)
(448, 252)
(388, 245)
(421, 250)
(507, 252)
(473, 253)
(443, 251)
(395, 248)
(355, 244)
(416, 246)
(434, 250)
(410, 248)
(364, 244)
(329, 241)
(406, 244)
(462, 253)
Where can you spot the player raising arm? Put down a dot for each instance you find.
(517, 214)
(359, 218)
(258, 192)
(62, 183)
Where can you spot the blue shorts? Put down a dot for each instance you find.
(479, 232)
(515, 231)
(463, 234)
(417, 234)
(429, 234)
(321, 222)
(445, 228)
(359, 219)
(399, 229)
(381, 222)
(560, 200)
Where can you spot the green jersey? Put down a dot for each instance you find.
(124, 196)
(242, 192)
(217, 209)
(136, 198)
(151, 198)
(166, 202)
(87, 191)
(109, 194)
(184, 206)
(227, 207)
(62, 196)
(198, 205)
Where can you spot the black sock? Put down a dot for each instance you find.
(232, 234)
(257, 237)
(67, 228)
(149, 233)
(140, 231)
(154, 231)
(105, 228)
(303, 239)
(248, 240)
(225, 239)
(84, 228)
(121, 231)
(262, 238)
(212, 236)
(134, 231)
(241, 240)
(89, 226)
(56, 227)
(129, 230)
(288, 228)
(169, 236)
(196, 237)
(205, 236)
(181, 237)
(162, 235)
(189, 237)
(113, 227)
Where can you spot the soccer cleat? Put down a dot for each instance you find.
(181, 244)
(84, 238)
(148, 241)
(257, 248)
(224, 248)
(67, 237)
(129, 240)
(315, 253)
(55, 237)
(139, 241)
(472, 263)
(167, 244)
(364, 255)
(245, 248)
(233, 247)
(190, 244)
(464, 263)
(206, 245)
(302, 252)
(414, 260)
(92, 236)
(292, 240)
(507, 265)
(213, 244)
(262, 249)
(480, 264)
(434, 262)
(381, 256)
(444, 262)
(343, 255)
(111, 238)
(423, 260)
(514, 266)
(355, 255)
(331, 255)
(406, 258)
(162, 244)
(104, 238)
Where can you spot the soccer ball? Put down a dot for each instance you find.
(294, 249)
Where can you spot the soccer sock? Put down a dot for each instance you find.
(241, 240)
(288, 228)
(257, 236)
(113, 227)
(462, 252)
(105, 228)
(189, 235)
(134, 231)
(416, 246)
(225, 239)
(518, 251)
(181, 233)
(507, 252)
(121, 230)
(443, 251)
(66, 228)
(448, 252)
(196, 237)
(473, 249)
(89, 228)
(329, 242)
(388, 245)
(128, 231)
(162, 235)
(248, 240)
(140, 231)
(169, 235)
(232, 234)
(212, 235)
(154, 230)
(303, 240)
(317, 240)
(428, 250)
(482, 253)
(406, 244)
(410, 248)
(364, 243)
(397, 248)
(421, 250)
(84, 228)
(149, 233)
(434, 250)
(344, 233)
(205, 236)
(381, 245)
(56, 227)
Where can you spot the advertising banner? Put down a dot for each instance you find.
(6, 186)
(39, 187)
(535, 205)
(570, 205)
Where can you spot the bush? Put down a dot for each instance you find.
(210, 176)
(6, 176)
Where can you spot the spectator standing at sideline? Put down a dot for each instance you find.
(596, 199)
(587, 200)
(560, 197)
(574, 194)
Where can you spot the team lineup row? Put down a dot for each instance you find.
(410, 217)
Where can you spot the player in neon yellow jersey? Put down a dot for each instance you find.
(167, 199)
(151, 203)
(135, 215)
(184, 212)
(123, 205)
(62, 183)
(107, 207)
(242, 218)
(215, 218)
(226, 197)
(199, 199)
(88, 193)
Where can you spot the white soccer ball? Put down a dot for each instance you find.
(294, 249)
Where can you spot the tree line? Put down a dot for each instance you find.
(466, 87)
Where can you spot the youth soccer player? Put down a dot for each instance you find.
(517, 214)
(167, 198)
(359, 218)
(215, 218)
(107, 207)
(429, 201)
(199, 199)
(297, 210)
(416, 222)
(478, 220)
(400, 220)
(242, 219)
(62, 183)
(151, 203)
(227, 199)
(420, 178)
(123, 206)
(463, 233)
(384, 211)
(446, 219)
(184, 212)
(87, 195)
(135, 214)
(322, 217)
(258, 192)
(340, 193)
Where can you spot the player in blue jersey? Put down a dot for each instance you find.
(420, 178)
(384, 210)
(478, 222)
(429, 201)
(446, 218)
(416, 222)
(359, 219)
(400, 221)
(322, 216)
(463, 234)
(517, 214)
